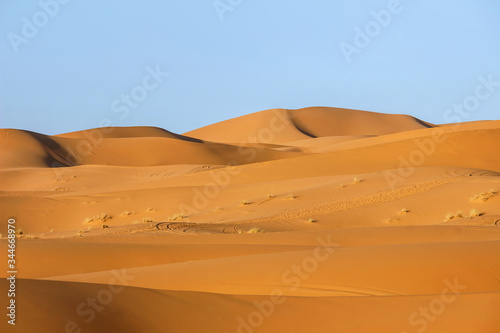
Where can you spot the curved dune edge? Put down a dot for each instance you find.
(294, 125)
(24, 149)
(130, 309)
(328, 271)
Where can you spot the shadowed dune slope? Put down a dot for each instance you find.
(282, 125)
(24, 149)
(132, 310)
(124, 132)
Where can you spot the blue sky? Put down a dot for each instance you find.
(228, 58)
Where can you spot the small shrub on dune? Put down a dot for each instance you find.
(484, 196)
(475, 213)
(127, 213)
(255, 231)
(453, 216)
(100, 218)
(289, 197)
(177, 217)
(147, 219)
(105, 217)
(357, 180)
(105, 226)
(311, 220)
(245, 202)
(404, 211)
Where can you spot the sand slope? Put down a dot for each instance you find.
(282, 125)
(121, 148)
(310, 220)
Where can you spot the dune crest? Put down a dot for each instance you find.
(300, 124)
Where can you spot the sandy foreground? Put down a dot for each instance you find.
(309, 220)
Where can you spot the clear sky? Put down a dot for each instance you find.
(81, 64)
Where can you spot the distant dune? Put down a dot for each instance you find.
(314, 122)
(311, 220)
(119, 147)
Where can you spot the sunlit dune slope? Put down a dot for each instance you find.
(282, 125)
(21, 149)
(311, 220)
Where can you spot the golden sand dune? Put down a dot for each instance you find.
(144, 310)
(310, 220)
(125, 148)
(282, 125)
(124, 132)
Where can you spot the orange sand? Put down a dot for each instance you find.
(310, 220)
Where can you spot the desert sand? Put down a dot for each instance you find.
(310, 220)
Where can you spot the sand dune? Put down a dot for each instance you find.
(310, 220)
(139, 310)
(282, 125)
(124, 132)
(125, 147)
